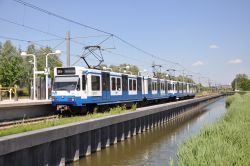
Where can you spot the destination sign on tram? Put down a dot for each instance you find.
(66, 71)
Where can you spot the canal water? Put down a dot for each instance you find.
(157, 146)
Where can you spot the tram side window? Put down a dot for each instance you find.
(149, 85)
(134, 85)
(184, 87)
(95, 82)
(162, 86)
(83, 82)
(130, 85)
(113, 84)
(154, 86)
(78, 85)
(169, 86)
(118, 84)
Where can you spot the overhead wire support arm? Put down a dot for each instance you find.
(155, 71)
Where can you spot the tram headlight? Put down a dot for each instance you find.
(53, 98)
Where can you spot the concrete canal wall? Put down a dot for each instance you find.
(60, 144)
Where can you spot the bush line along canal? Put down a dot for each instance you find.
(226, 142)
(64, 143)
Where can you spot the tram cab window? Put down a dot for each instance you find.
(83, 82)
(66, 83)
(95, 82)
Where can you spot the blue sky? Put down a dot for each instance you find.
(210, 37)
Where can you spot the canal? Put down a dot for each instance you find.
(156, 146)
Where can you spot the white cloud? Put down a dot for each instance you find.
(235, 61)
(212, 46)
(198, 63)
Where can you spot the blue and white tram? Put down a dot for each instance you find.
(75, 87)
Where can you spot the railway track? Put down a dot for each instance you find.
(4, 125)
(8, 124)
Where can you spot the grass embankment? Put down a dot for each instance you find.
(226, 142)
(19, 128)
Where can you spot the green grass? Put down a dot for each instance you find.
(227, 142)
(230, 99)
(19, 128)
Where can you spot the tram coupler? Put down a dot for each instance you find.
(62, 108)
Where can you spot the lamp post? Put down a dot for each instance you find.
(34, 72)
(57, 52)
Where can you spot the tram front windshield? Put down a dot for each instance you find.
(65, 83)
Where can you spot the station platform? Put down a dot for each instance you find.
(24, 108)
(22, 102)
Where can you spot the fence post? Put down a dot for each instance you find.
(0, 92)
(15, 91)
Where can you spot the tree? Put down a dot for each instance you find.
(181, 78)
(15, 69)
(241, 82)
(12, 68)
(1, 48)
(123, 67)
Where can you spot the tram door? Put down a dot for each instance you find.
(124, 86)
(105, 85)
